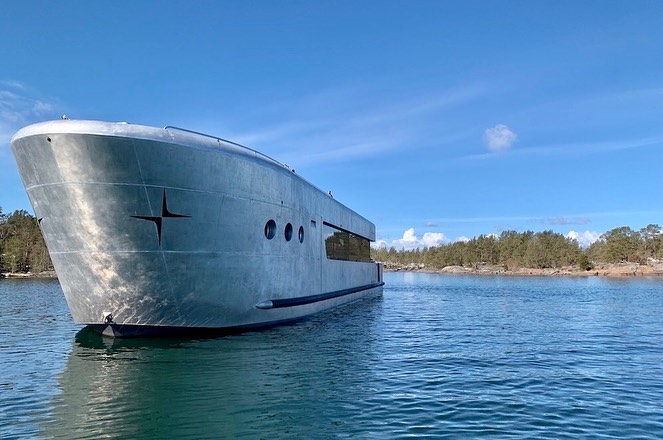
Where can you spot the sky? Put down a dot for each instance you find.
(437, 120)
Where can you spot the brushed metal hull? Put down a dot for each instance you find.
(154, 228)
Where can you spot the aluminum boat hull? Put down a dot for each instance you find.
(152, 228)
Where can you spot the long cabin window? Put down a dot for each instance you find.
(343, 245)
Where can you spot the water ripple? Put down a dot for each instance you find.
(436, 357)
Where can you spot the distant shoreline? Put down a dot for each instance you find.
(621, 270)
(19, 275)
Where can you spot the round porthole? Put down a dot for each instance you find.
(301, 234)
(288, 232)
(270, 229)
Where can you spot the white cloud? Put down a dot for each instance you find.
(499, 137)
(411, 241)
(18, 108)
(584, 239)
(433, 239)
(377, 244)
(409, 236)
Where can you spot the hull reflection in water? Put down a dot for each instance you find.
(156, 229)
(251, 385)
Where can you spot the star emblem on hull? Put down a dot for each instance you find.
(158, 220)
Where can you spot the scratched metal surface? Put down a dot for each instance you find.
(164, 227)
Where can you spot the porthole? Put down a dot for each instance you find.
(270, 229)
(301, 234)
(288, 232)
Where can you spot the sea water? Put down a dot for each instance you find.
(437, 356)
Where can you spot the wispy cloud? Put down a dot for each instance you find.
(592, 147)
(19, 107)
(562, 220)
(595, 108)
(348, 123)
(586, 122)
(574, 148)
(12, 84)
(493, 219)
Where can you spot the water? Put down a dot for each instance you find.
(436, 356)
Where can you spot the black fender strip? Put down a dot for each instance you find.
(302, 300)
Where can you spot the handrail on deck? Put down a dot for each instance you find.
(172, 127)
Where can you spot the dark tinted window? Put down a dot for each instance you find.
(343, 245)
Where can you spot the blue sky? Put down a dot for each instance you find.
(437, 120)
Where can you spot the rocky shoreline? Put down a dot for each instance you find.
(28, 275)
(653, 269)
(607, 270)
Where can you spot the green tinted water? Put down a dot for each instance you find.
(436, 356)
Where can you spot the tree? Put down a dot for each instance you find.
(486, 250)
(549, 249)
(22, 247)
(512, 247)
(652, 240)
(597, 250)
(584, 263)
(621, 245)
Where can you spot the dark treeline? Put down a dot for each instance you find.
(539, 250)
(22, 247)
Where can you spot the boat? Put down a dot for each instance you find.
(156, 231)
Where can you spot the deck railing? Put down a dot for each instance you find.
(218, 139)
